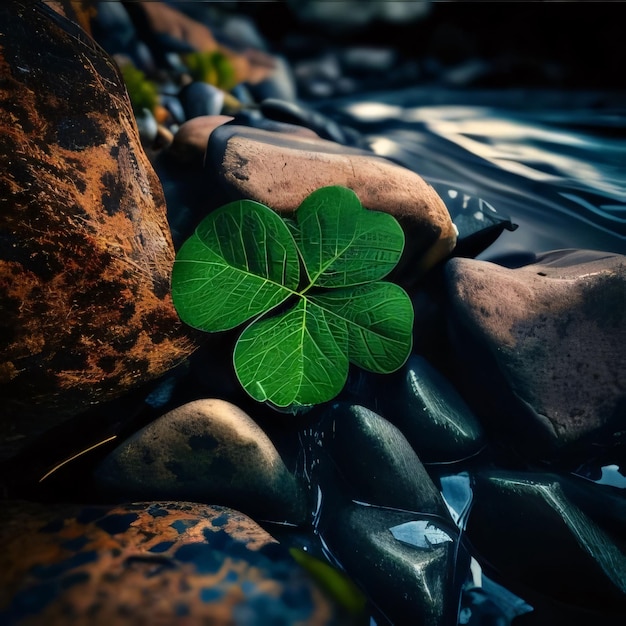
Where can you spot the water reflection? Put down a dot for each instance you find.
(421, 534)
(557, 172)
(457, 494)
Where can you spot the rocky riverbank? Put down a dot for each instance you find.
(480, 483)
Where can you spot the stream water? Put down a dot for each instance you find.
(553, 164)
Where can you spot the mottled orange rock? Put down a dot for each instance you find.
(175, 563)
(85, 248)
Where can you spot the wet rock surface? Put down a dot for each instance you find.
(383, 518)
(538, 511)
(431, 413)
(480, 484)
(153, 562)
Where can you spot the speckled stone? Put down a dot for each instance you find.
(201, 99)
(539, 350)
(175, 563)
(206, 451)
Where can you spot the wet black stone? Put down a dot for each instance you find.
(527, 528)
(376, 461)
(406, 584)
(431, 414)
(299, 114)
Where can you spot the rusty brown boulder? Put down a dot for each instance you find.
(85, 248)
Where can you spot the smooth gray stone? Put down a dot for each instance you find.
(525, 526)
(478, 223)
(279, 84)
(491, 604)
(205, 451)
(243, 95)
(351, 16)
(200, 98)
(432, 415)
(175, 108)
(367, 60)
(113, 29)
(325, 127)
(604, 504)
(147, 126)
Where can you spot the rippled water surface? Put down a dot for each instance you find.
(558, 171)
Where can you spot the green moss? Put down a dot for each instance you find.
(211, 67)
(142, 92)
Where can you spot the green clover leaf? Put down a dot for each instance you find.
(243, 263)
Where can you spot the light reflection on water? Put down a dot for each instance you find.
(559, 173)
(530, 147)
